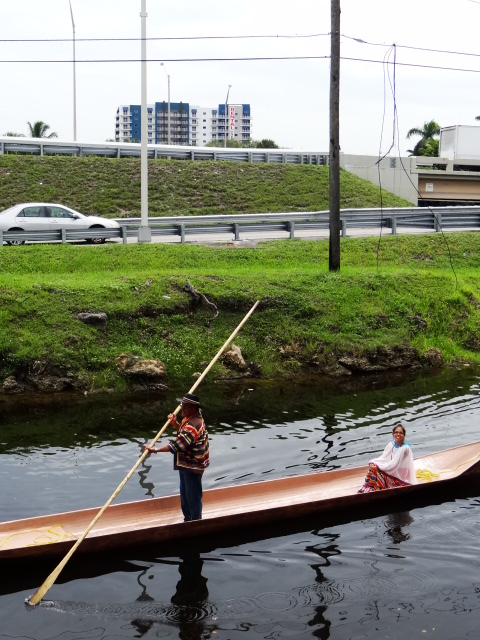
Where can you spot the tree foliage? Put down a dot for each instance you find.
(427, 145)
(265, 143)
(39, 130)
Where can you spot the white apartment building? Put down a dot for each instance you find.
(180, 123)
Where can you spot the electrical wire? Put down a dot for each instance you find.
(136, 60)
(396, 136)
(241, 37)
(411, 47)
(153, 39)
(246, 59)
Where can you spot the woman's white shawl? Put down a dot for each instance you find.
(397, 462)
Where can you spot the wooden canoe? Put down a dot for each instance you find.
(158, 521)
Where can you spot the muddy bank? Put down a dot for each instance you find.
(151, 375)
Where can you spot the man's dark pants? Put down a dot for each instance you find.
(191, 495)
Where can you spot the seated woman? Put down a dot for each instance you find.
(394, 468)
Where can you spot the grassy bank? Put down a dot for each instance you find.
(111, 187)
(421, 291)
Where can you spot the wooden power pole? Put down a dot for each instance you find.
(334, 169)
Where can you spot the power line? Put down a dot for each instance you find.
(405, 46)
(411, 64)
(136, 60)
(246, 59)
(241, 37)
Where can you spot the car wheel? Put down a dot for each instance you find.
(15, 243)
(96, 240)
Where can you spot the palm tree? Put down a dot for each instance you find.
(39, 130)
(427, 145)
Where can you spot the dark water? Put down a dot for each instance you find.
(405, 574)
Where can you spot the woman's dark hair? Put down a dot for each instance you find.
(401, 427)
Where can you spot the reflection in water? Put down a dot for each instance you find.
(320, 623)
(188, 613)
(394, 523)
(192, 592)
(143, 626)
(192, 586)
(142, 478)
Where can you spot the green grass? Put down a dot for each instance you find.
(111, 187)
(368, 304)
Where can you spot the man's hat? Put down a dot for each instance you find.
(189, 398)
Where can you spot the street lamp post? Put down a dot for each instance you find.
(226, 108)
(168, 107)
(144, 231)
(74, 80)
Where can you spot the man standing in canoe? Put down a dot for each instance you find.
(191, 454)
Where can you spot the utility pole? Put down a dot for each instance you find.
(334, 163)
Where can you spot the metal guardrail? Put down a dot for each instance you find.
(42, 147)
(436, 219)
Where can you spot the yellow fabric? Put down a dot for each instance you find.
(426, 474)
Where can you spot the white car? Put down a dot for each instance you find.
(44, 216)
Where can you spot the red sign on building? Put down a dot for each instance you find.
(231, 125)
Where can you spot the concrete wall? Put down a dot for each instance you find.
(390, 174)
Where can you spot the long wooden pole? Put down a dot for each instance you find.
(42, 590)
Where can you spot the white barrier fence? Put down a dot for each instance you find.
(42, 147)
(435, 219)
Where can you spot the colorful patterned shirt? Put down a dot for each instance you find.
(190, 447)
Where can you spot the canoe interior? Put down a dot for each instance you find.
(225, 509)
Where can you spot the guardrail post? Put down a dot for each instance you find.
(394, 226)
(344, 228)
(64, 235)
(291, 228)
(123, 234)
(236, 231)
(1, 238)
(437, 221)
(181, 231)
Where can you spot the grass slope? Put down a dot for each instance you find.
(305, 310)
(111, 187)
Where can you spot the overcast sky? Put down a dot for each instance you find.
(289, 98)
